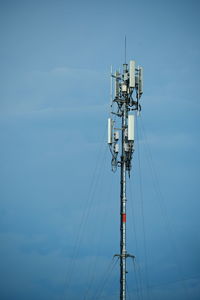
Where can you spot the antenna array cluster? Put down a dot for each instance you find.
(128, 89)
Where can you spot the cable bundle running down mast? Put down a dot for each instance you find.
(128, 91)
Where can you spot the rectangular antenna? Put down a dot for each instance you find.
(131, 127)
(116, 84)
(132, 74)
(111, 86)
(110, 131)
(140, 81)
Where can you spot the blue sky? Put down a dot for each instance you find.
(59, 208)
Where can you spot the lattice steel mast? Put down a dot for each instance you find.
(128, 91)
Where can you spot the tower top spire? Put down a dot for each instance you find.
(125, 49)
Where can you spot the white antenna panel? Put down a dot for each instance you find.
(110, 131)
(132, 74)
(131, 127)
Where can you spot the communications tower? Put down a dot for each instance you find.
(128, 89)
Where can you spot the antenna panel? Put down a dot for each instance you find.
(131, 127)
(132, 74)
(140, 81)
(110, 131)
(137, 80)
(116, 84)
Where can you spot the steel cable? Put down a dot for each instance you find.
(142, 212)
(88, 205)
(139, 281)
(106, 277)
(162, 206)
(92, 274)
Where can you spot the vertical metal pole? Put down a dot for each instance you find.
(127, 82)
(123, 209)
